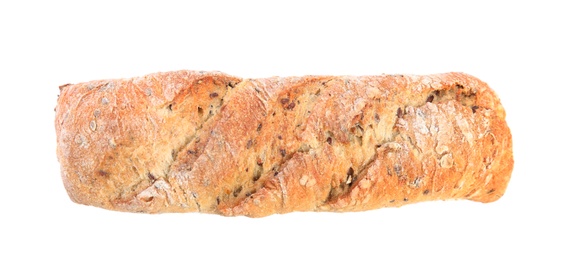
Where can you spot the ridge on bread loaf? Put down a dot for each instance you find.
(204, 141)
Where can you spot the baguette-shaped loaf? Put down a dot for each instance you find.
(189, 141)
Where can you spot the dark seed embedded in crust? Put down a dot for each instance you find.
(425, 192)
(291, 106)
(214, 95)
(283, 152)
(151, 177)
(491, 191)
(200, 111)
(416, 182)
(397, 169)
(405, 199)
(249, 144)
(376, 118)
(399, 113)
(329, 140)
(256, 176)
(430, 98)
(147, 199)
(474, 108)
(284, 101)
(259, 127)
(103, 173)
(350, 174)
(237, 191)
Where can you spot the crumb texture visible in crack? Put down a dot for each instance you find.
(204, 112)
(386, 133)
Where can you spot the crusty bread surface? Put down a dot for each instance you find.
(188, 141)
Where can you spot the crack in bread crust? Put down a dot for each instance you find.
(194, 141)
(455, 92)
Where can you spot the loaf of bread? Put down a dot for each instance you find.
(188, 141)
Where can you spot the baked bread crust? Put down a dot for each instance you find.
(188, 141)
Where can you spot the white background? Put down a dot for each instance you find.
(515, 47)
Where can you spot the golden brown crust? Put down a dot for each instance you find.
(204, 141)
